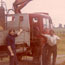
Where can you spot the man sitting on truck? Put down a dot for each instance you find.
(10, 41)
(52, 46)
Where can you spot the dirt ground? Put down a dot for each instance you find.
(60, 61)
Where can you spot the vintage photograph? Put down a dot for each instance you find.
(32, 32)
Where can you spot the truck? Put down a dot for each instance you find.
(33, 25)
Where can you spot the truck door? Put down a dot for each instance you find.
(35, 28)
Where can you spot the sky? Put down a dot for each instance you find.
(55, 8)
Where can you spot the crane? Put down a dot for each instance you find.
(19, 4)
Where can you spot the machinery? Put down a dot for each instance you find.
(33, 24)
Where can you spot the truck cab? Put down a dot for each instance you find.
(41, 23)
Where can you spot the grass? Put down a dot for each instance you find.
(61, 47)
(61, 44)
(62, 63)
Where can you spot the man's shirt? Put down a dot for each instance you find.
(52, 40)
(11, 41)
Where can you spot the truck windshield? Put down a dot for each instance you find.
(46, 23)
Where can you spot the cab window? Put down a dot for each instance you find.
(9, 19)
(35, 20)
(46, 23)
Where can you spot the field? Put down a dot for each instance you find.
(61, 49)
(61, 44)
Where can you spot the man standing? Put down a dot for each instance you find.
(10, 40)
(52, 47)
